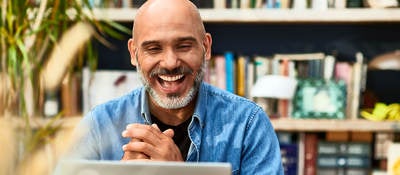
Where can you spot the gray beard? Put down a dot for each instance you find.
(174, 101)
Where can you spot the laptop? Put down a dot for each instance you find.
(94, 167)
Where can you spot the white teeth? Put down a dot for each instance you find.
(171, 78)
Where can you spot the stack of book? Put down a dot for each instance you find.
(343, 158)
(325, 88)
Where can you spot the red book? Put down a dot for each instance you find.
(310, 153)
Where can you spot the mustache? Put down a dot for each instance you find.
(175, 71)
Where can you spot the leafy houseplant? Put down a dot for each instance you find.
(40, 42)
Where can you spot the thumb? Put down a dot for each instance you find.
(169, 133)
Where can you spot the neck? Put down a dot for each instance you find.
(172, 117)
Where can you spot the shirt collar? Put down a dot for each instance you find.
(144, 111)
(201, 104)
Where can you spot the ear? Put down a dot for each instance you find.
(207, 46)
(132, 51)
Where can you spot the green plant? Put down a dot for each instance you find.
(31, 45)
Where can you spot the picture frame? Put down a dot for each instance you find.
(319, 99)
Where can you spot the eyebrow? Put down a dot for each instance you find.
(188, 38)
(181, 39)
(146, 43)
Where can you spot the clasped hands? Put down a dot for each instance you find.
(149, 143)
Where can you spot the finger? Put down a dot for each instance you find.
(145, 133)
(139, 147)
(129, 155)
(169, 132)
(137, 160)
(155, 126)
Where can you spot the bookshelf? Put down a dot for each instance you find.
(216, 19)
(267, 31)
(361, 15)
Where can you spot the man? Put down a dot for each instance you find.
(175, 116)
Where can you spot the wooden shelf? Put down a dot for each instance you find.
(282, 124)
(316, 125)
(363, 15)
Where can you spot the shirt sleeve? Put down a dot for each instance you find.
(85, 138)
(261, 153)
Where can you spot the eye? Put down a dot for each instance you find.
(153, 49)
(184, 47)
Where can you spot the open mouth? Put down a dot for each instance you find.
(170, 78)
(170, 82)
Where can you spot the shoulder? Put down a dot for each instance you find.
(228, 105)
(216, 95)
(116, 108)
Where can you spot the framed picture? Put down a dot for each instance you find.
(318, 98)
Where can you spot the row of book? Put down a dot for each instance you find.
(317, 153)
(325, 88)
(322, 88)
(267, 4)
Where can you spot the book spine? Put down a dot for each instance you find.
(241, 73)
(230, 73)
(283, 104)
(220, 71)
(356, 86)
(310, 153)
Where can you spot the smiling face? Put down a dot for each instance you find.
(170, 50)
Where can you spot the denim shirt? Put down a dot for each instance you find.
(224, 128)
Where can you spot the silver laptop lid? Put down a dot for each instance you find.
(91, 167)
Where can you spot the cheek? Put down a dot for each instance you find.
(146, 64)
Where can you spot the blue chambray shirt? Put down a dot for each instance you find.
(223, 128)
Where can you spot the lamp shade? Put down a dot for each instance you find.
(274, 86)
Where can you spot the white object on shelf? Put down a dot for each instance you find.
(274, 86)
(107, 85)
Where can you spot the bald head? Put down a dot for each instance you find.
(168, 11)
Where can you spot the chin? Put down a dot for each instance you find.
(173, 101)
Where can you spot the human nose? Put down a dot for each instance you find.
(170, 60)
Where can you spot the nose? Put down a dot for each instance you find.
(170, 60)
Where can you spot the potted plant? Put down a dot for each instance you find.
(40, 42)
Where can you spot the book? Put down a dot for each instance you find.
(137, 3)
(249, 76)
(245, 4)
(355, 87)
(340, 4)
(241, 76)
(285, 4)
(283, 104)
(263, 66)
(337, 136)
(354, 3)
(301, 153)
(310, 153)
(203, 3)
(382, 144)
(220, 67)
(230, 72)
(360, 136)
(219, 4)
(289, 153)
